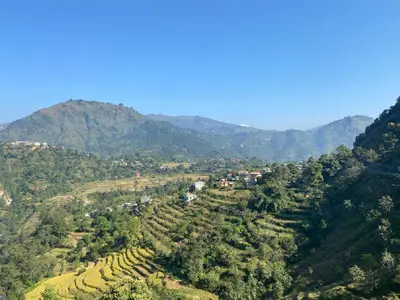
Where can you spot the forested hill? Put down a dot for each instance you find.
(108, 129)
(344, 130)
(383, 137)
(354, 253)
(278, 145)
(38, 172)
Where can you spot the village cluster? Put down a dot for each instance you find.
(244, 178)
(229, 181)
(33, 145)
(132, 208)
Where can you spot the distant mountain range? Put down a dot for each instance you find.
(204, 124)
(3, 126)
(108, 129)
(277, 145)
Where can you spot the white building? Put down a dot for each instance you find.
(189, 197)
(146, 199)
(198, 185)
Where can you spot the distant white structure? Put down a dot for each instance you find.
(244, 125)
(146, 199)
(92, 214)
(198, 185)
(128, 205)
(267, 170)
(189, 197)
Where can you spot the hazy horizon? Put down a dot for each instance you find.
(202, 116)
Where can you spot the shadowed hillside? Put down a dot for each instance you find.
(355, 253)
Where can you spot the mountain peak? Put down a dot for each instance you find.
(80, 104)
(106, 128)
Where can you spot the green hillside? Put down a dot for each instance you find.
(216, 245)
(276, 145)
(108, 130)
(355, 254)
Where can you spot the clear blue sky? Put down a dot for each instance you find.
(271, 64)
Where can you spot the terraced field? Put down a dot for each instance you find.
(172, 221)
(168, 225)
(97, 278)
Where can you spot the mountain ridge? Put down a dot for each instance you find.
(108, 129)
(178, 118)
(291, 144)
(202, 124)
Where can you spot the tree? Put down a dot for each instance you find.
(342, 152)
(388, 261)
(384, 230)
(385, 204)
(50, 294)
(372, 215)
(102, 225)
(365, 155)
(347, 204)
(312, 175)
(358, 275)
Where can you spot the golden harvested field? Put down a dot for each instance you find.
(60, 283)
(97, 278)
